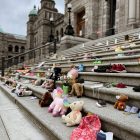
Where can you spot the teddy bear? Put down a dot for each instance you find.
(77, 88)
(73, 73)
(75, 116)
(57, 107)
(46, 100)
(120, 103)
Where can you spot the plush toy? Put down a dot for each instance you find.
(21, 91)
(73, 73)
(48, 84)
(46, 100)
(74, 117)
(38, 82)
(120, 103)
(119, 50)
(80, 68)
(57, 107)
(77, 88)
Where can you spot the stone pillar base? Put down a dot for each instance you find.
(70, 41)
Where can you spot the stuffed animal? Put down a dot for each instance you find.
(77, 88)
(73, 73)
(119, 51)
(46, 100)
(48, 84)
(80, 68)
(57, 107)
(38, 82)
(120, 103)
(74, 117)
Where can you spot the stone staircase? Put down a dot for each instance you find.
(123, 126)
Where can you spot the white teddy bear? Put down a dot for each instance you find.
(75, 116)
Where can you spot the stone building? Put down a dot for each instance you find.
(11, 45)
(99, 18)
(39, 25)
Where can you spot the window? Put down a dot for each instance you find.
(16, 49)
(10, 48)
(22, 49)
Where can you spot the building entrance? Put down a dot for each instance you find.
(81, 23)
(112, 11)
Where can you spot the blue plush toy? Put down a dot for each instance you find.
(81, 68)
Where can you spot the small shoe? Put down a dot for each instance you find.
(79, 96)
(134, 110)
(136, 89)
(139, 115)
(127, 108)
(101, 103)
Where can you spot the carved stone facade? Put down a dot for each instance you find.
(11, 45)
(39, 25)
(104, 17)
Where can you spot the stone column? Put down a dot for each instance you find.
(138, 11)
(132, 12)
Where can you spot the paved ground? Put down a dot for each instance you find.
(14, 125)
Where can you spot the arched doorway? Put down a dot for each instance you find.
(81, 23)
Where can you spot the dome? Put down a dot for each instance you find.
(33, 12)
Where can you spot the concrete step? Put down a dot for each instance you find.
(116, 121)
(15, 124)
(108, 94)
(90, 48)
(49, 124)
(126, 78)
(123, 59)
(131, 67)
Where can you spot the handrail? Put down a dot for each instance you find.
(27, 52)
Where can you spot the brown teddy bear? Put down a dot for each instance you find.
(77, 88)
(120, 103)
(46, 100)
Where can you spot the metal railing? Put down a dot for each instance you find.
(30, 55)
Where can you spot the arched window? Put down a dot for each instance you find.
(22, 49)
(16, 49)
(10, 48)
(62, 32)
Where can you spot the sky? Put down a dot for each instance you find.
(14, 14)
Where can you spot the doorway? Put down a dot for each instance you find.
(81, 23)
(112, 13)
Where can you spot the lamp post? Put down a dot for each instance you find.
(69, 29)
(51, 37)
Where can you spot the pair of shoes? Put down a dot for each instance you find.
(119, 68)
(121, 85)
(97, 62)
(131, 110)
(102, 68)
(136, 89)
(107, 85)
(101, 103)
